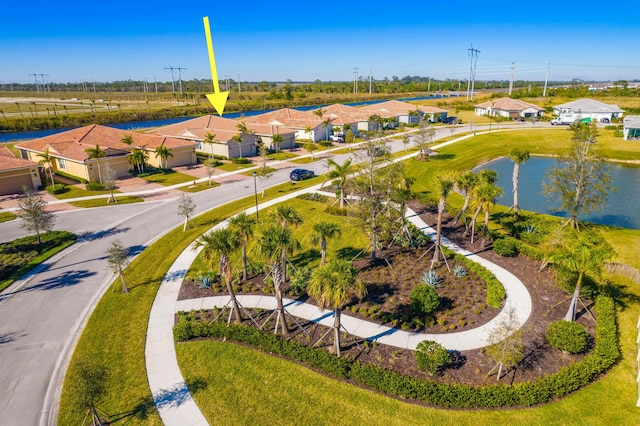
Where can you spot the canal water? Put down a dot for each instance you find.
(132, 125)
(623, 205)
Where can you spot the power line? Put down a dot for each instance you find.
(473, 56)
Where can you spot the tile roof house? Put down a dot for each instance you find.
(586, 108)
(68, 150)
(305, 124)
(433, 114)
(345, 117)
(508, 108)
(631, 127)
(396, 111)
(16, 173)
(226, 132)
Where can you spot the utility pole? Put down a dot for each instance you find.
(43, 82)
(355, 80)
(546, 80)
(511, 80)
(173, 85)
(473, 56)
(429, 85)
(369, 80)
(35, 76)
(239, 86)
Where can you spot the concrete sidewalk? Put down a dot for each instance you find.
(170, 392)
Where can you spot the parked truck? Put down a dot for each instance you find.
(569, 119)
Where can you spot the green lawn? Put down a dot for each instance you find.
(20, 256)
(281, 155)
(232, 167)
(202, 186)
(75, 192)
(169, 178)
(102, 202)
(305, 160)
(6, 216)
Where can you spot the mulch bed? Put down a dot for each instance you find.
(463, 308)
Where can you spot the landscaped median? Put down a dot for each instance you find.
(115, 333)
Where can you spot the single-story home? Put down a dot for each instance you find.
(345, 117)
(508, 108)
(433, 114)
(587, 108)
(395, 112)
(16, 173)
(631, 127)
(306, 124)
(229, 138)
(68, 151)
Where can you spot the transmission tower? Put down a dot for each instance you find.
(35, 76)
(173, 85)
(473, 56)
(513, 66)
(355, 80)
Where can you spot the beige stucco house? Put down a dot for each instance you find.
(16, 173)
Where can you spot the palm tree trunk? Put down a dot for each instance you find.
(515, 179)
(341, 198)
(51, 173)
(485, 233)
(462, 211)
(436, 252)
(99, 172)
(323, 251)
(336, 330)
(571, 313)
(473, 224)
(244, 261)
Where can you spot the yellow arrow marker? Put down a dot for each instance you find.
(218, 99)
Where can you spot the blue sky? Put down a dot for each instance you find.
(304, 40)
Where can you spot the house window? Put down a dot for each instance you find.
(61, 163)
(199, 146)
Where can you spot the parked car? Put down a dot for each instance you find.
(604, 120)
(301, 174)
(451, 120)
(338, 137)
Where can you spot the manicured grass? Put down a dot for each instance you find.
(20, 256)
(102, 202)
(202, 186)
(75, 192)
(305, 160)
(6, 216)
(231, 167)
(169, 178)
(115, 333)
(261, 171)
(281, 155)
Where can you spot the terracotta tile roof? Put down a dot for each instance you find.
(389, 109)
(287, 117)
(508, 104)
(73, 143)
(8, 161)
(428, 109)
(224, 128)
(345, 114)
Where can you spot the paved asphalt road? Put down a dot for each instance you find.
(41, 317)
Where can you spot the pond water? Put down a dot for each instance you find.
(623, 205)
(33, 134)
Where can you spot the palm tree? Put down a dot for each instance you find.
(138, 158)
(486, 195)
(276, 141)
(322, 231)
(444, 185)
(222, 243)
(341, 172)
(163, 153)
(518, 157)
(332, 285)
(96, 153)
(243, 225)
(466, 183)
(127, 140)
(48, 161)
(285, 216)
(326, 123)
(19, 110)
(210, 139)
(582, 253)
(274, 242)
(308, 130)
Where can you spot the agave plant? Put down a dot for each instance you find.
(529, 229)
(431, 278)
(460, 271)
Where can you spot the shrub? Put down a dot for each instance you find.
(70, 176)
(459, 271)
(431, 356)
(240, 160)
(505, 247)
(325, 143)
(424, 299)
(568, 336)
(431, 278)
(95, 186)
(57, 188)
(495, 290)
(299, 280)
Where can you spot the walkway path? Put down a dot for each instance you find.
(163, 371)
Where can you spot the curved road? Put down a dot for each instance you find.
(41, 316)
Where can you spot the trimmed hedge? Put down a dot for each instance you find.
(548, 388)
(70, 176)
(521, 247)
(505, 247)
(495, 291)
(57, 188)
(567, 336)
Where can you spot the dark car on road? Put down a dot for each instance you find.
(301, 174)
